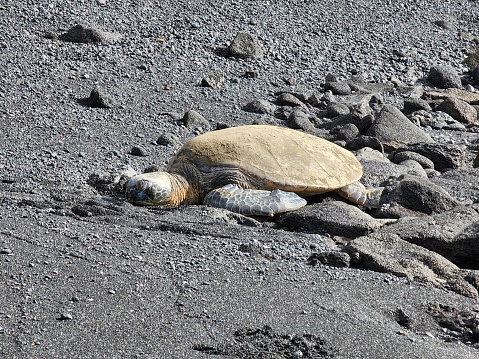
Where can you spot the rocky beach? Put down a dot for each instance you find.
(93, 92)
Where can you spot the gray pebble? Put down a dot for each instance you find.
(138, 151)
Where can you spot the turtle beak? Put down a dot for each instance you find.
(148, 189)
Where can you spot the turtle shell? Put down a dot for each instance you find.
(279, 158)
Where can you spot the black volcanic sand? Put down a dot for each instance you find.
(86, 275)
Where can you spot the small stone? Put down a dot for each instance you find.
(82, 33)
(138, 151)
(299, 120)
(168, 139)
(5, 251)
(446, 25)
(244, 46)
(334, 109)
(290, 81)
(403, 319)
(100, 98)
(287, 99)
(260, 107)
(193, 119)
(338, 88)
(212, 81)
(111, 291)
(331, 78)
(65, 316)
(251, 74)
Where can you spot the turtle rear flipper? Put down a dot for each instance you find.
(357, 193)
(253, 202)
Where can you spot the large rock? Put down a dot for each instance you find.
(387, 252)
(444, 156)
(414, 194)
(461, 183)
(470, 97)
(392, 127)
(453, 234)
(437, 120)
(444, 77)
(413, 104)
(459, 110)
(332, 217)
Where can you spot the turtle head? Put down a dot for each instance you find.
(151, 189)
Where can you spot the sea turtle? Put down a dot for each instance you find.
(253, 170)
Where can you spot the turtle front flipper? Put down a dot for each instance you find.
(357, 193)
(253, 202)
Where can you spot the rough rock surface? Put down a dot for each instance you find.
(244, 46)
(452, 234)
(335, 218)
(82, 33)
(459, 110)
(415, 194)
(391, 126)
(386, 252)
(444, 77)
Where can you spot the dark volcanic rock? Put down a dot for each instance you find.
(261, 107)
(244, 46)
(387, 252)
(82, 33)
(338, 88)
(391, 126)
(415, 194)
(364, 141)
(345, 133)
(399, 157)
(288, 99)
(193, 119)
(100, 98)
(360, 85)
(452, 234)
(333, 259)
(444, 156)
(334, 109)
(413, 104)
(168, 139)
(299, 120)
(437, 120)
(444, 77)
(334, 217)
